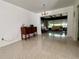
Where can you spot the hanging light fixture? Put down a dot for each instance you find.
(44, 13)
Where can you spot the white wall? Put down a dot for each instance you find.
(71, 23)
(76, 18)
(38, 24)
(11, 19)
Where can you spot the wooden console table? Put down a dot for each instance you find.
(26, 31)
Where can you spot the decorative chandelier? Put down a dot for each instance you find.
(44, 13)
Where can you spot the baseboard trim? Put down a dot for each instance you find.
(5, 43)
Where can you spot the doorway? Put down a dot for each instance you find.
(54, 25)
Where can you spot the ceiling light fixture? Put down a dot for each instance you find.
(44, 13)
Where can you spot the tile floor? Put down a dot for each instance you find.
(41, 47)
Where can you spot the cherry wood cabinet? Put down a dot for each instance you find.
(27, 31)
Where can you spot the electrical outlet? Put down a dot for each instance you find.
(2, 39)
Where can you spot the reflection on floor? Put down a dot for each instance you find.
(41, 47)
(56, 34)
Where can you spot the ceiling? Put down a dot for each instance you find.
(36, 5)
